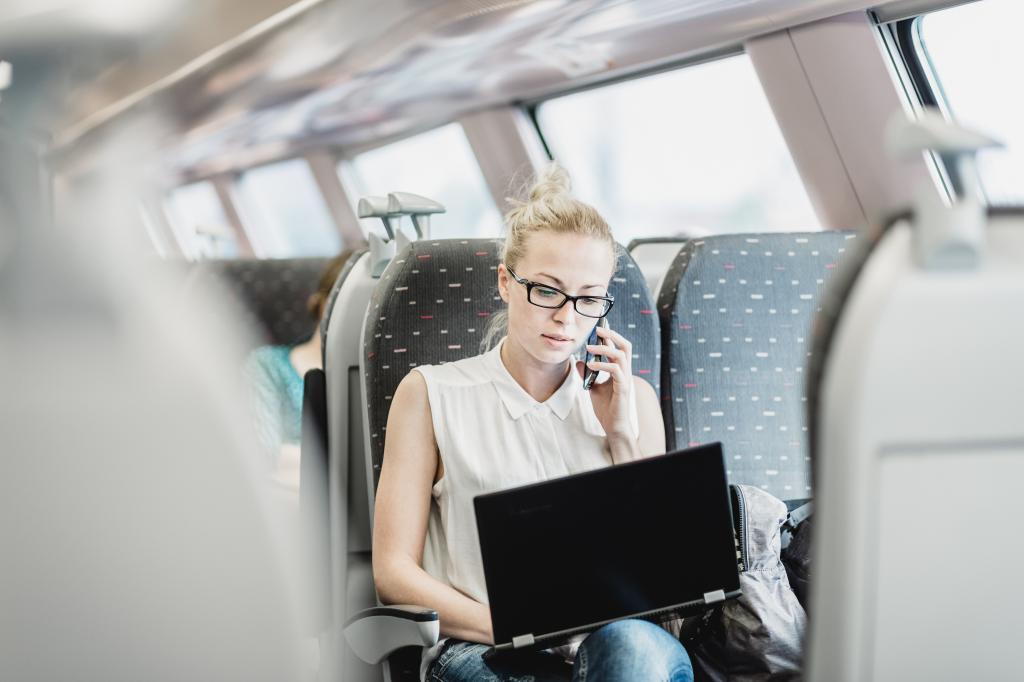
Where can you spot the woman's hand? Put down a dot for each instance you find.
(613, 399)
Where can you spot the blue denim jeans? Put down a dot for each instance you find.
(623, 651)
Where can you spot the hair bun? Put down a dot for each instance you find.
(552, 181)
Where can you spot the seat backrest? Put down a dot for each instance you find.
(271, 294)
(653, 256)
(342, 332)
(736, 314)
(432, 306)
(134, 513)
(918, 454)
(348, 509)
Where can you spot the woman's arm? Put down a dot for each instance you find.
(614, 398)
(402, 508)
(651, 439)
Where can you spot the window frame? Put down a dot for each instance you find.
(920, 72)
(902, 39)
(905, 39)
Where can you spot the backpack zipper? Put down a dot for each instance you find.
(741, 525)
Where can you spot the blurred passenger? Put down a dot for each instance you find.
(471, 425)
(276, 374)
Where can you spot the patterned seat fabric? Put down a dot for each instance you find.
(272, 294)
(736, 313)
(432, 306)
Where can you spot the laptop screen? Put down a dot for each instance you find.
(607, 544)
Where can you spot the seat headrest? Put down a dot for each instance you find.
(272, 293)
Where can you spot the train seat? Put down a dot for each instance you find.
(334, 489)
(140, 538)
(654, 255)
(431, 306)
(343, 473)
(270, 294)
(918, 453)
(736, 315)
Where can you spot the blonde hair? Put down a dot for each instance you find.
(550, 207)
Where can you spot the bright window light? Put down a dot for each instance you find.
(688, 152)
(156, 237)
(199, 223)
(976, 54)
(438, 164)
(284, 213)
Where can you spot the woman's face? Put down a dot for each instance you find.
(576, 264)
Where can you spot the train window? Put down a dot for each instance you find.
(975, 54)
(691, 151)
(199, 223)
(438, 164)
(156, 237)
(284, 213)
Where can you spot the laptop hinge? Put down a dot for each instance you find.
(714, 597)
(524, 640)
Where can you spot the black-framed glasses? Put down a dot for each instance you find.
(546, 296)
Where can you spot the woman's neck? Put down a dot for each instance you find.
(539, 379)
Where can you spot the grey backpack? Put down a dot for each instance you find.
(758, 636)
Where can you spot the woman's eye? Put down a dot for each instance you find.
(591, 301)
(545, 293)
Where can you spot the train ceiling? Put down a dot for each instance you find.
(351, 72)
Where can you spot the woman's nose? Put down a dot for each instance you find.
(566, 314)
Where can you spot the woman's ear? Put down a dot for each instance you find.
(503, 280)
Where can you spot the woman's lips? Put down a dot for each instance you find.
(557, 341)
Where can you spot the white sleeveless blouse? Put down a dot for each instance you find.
(491, 435)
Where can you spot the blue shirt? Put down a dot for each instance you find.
(277, 396)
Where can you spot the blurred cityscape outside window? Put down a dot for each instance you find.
(285, 215)
(200, 226)
(976, 56)
(688, 152)
(438, 164)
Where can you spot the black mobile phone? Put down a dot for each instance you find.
(589, 375)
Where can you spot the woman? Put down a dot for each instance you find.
(517, 414)
(275, 375)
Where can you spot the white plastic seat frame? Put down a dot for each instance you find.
(918, 451)
(352, 587)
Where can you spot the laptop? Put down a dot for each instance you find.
(649, 539)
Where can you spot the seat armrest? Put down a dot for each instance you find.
(376, 632)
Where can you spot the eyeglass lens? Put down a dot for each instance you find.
(552, 298)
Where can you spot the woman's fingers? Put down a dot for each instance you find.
(614, 369)
(610, 352)
(616, 353)
(621, 356)
(619, 340)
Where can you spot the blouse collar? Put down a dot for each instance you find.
(515, 398)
